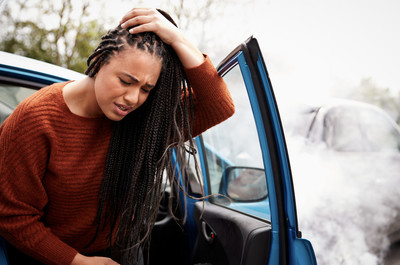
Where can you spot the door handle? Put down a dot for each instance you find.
(208, 232)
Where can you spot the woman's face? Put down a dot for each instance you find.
(124, 83)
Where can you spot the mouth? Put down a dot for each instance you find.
(122, 109)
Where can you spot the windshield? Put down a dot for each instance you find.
(360, 129)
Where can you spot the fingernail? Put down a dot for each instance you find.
(123, 25)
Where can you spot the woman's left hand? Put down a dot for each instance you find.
(149, 19)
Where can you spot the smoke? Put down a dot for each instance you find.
(347, 202)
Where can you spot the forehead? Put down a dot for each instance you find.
(132, 59)
(129, 53)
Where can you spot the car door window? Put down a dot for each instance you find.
(13, 95)
(233, 156)
(10, 97)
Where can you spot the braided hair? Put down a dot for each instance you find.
(140, 148)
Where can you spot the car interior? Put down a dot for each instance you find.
(218, 235)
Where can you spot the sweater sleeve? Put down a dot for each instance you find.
(24, 150)
(212, 101)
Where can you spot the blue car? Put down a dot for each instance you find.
(250, 217)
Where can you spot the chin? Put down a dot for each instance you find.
(114, 117)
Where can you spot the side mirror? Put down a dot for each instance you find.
(244, 184)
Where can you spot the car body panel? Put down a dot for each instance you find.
(32, 73)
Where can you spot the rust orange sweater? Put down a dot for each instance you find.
(52, 162)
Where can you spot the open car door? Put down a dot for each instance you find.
(245, 160)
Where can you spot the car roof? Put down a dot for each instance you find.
(16, 69)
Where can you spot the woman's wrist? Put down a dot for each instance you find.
(78, 259)
(187, 52)
(84, 260)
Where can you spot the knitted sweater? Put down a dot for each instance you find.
(52, 163)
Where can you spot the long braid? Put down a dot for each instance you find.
(139, 149)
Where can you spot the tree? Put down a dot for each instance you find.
(57, 32)
(196, 15)
(369, 92)
(65, 32)
(203, 21)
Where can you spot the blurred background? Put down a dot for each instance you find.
(323, 58)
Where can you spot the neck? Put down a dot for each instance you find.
(80, 98)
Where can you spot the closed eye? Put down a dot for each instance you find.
(124, 82)
(146, 90)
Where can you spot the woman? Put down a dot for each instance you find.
(81, 161)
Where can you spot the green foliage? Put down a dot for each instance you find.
(54, 32)
(87, 41)
(31, 43)
(369, 92)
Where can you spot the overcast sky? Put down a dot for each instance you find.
(312, 48)
(327, 47)
(316, 48)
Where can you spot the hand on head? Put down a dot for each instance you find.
(149, 19)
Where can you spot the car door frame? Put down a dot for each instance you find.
(287, 246)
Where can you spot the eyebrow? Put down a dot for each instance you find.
(134, 79)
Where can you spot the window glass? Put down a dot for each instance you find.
(13, 95)
(233, 155)
(360, 129)
(194, 176)
(10, 97)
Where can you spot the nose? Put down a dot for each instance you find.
(131, 96)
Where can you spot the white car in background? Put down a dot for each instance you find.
(351, 126)
(346, 165)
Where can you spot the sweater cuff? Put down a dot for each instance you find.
(51, 250)
(204, 65)
(205, 81)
